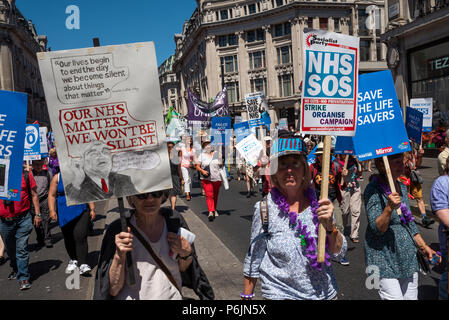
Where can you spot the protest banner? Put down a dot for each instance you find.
(238, 119)
(283, 124)
(257, 108)
(255, 105)
(105, 106)
(32, 143)
(43, 142)
(200, 113)
(12, 143)
(424, 105)
(380, 128)
(221, 131)
(414, 124)
(250, 148)
(344, 145)
(329, 98)
(241, 130)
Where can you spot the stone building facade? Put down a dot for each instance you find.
(417, 38)
(255, 45)
(169, 85)
(19, 69)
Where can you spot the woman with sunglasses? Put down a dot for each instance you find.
(152, 223)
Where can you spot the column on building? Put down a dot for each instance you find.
(6, 68)
(270, 55)
(243, 63)
(213, 68)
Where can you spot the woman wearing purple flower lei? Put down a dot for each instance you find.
(390, 238)
(285, 258)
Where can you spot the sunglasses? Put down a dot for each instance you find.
(156, 194)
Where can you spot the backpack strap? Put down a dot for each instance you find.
(264, 219)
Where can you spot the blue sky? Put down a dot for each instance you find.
(114, 22)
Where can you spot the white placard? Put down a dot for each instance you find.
(250, 148)
(105, 108)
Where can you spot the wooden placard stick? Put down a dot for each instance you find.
(324, 195)
(129, 259)
(344, 168)
(390, 179)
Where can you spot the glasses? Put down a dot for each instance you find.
(156, 194)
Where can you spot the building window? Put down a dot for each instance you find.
(229, 40)
(230, 64)
(323, 23)
(337, 25)
(173, 91)
(379, 50)
(282, 29)
(255, 35)
(233, 91)
(217, 15)
(364, 50)
(285, 85)
(279, 3)
(363, 16)
(284, 55)
(252, 8)
(172, 79)
(258, 85)
(310, 22)
(257, 60)
(224, 14)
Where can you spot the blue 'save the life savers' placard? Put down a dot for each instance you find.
(380, 127)
(241, 131)
(12, 140)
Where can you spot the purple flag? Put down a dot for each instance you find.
(200, 111)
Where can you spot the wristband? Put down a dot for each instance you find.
(38, 215)
(246, 296)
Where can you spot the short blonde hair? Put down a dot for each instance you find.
(307, 176)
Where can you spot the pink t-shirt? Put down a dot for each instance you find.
(187, 157)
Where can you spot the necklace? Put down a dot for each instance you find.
(406, 216)
(308, 241)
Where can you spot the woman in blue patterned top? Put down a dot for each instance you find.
(283, 255)
(389, 238)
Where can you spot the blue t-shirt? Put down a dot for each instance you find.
(439, 200)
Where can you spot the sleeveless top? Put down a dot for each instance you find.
(66, 213)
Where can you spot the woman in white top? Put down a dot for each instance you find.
(209, 168)
(188, 160)
(151, 282)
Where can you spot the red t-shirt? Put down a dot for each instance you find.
(19, 206)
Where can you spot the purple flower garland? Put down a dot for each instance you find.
(307, 240)
(406, 216)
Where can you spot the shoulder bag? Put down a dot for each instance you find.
(154, 256)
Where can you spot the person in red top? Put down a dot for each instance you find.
(15, 228)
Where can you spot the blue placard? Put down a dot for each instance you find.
(32, 143)
(12, 140)
(380, 128)
(413, 124)
(221, 131)
(344, 145)
(254, 123)
(241, 131)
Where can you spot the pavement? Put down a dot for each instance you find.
(220, 247)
